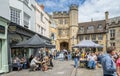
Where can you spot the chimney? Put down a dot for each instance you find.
(106, 15)
(42, 6)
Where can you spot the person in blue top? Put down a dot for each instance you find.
(109, 67)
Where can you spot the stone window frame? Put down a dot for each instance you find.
(42, 30)
(91, 27)
(112, 33)
(112, 43)
(81, 28)
(87, 37)
(100, 37)
(60, 21)
(81, 38)
(15, 15)
(59, 32)
(39, 28)
(65, 21)
(93, 37)
(26, 20)
(100, 27)
(41, 17)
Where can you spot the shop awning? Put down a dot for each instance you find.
(34, 42)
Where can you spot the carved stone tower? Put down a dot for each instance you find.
(73, 14)
(66, 28)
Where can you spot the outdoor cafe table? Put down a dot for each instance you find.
(83, 63)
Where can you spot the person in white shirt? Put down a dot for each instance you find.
(33, 63)
(92, 61)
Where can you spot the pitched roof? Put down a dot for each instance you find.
(95, 24)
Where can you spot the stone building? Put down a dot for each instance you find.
(95, 31)
(66, 27)
(17, 24)
(42, 20)
(53, 32)
(113, 32)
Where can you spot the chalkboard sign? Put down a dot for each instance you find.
(2, 29)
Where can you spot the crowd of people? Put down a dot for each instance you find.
(109, 61)
(41, 61)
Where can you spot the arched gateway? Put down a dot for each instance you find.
(64, 45)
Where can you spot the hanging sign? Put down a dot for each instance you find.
(12, 28)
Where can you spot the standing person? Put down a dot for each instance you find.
(69, 56)
(76, 58)
(30, 59)
(54, 55)
(109, 67)
(118, 65)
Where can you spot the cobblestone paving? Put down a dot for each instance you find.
(88, 72)
(61, 68)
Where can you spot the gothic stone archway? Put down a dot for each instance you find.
(64, 45)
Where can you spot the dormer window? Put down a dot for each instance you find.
(90, 27)
(100, 26)
(81, 28)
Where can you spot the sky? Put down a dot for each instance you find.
(87, 10)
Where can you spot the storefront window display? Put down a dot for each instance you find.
(20, 53)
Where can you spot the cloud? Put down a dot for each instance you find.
(58, 5)
(95, 9)
(88, 9)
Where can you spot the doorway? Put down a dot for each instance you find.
(64, 45)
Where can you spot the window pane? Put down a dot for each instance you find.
(60, 21)
(93, 37)
(100, 37)
(15, 15)
(112, 33)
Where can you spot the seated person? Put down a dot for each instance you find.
(17, 63)
(34, 63)
(45, 63)
(24, 62)
(92, 61)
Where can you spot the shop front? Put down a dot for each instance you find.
(17, 34)
(3, 45)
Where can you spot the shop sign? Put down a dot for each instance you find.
(12, 28)
(2, 29)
